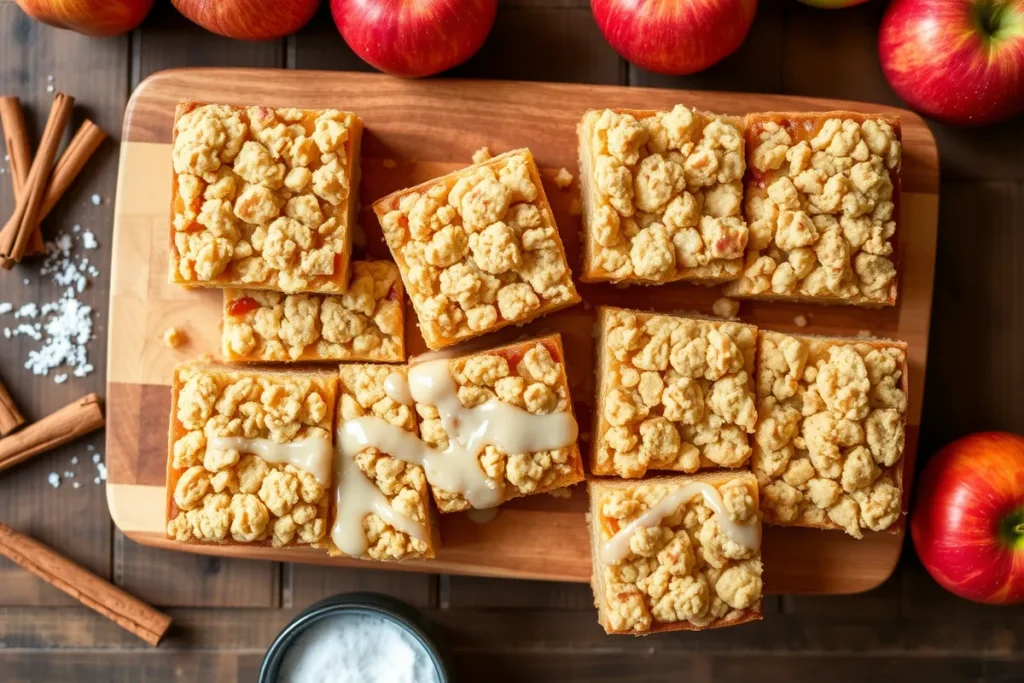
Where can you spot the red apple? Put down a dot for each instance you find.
(414, 37)
(968, 522)
(833, 4)
(91, 17)
(674, 36)
(249, 19)
(960, 61)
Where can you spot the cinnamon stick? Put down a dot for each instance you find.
(86, 141)
(10, 418)
(16, 139)
(15, 236)
(70, 422)
(96, 593)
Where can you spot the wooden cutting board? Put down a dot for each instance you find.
(416, 130)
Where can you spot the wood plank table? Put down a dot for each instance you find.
(227, 611)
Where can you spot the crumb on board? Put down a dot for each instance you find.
(800, 321)
(481, 155)
(390, 163)
(563, 178)
(575, 209)
(564, 492)
(173, 337)
(865, 334)
(724, 307)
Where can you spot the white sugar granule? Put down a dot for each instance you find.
(29, 310)
(76, 228)
(89, 240)
(97, 200)
(74, 459)
(356, 648)
(102, 469)
(54, 480)
(60, 379)
(76, 484)
(6, 308)
(68, 474)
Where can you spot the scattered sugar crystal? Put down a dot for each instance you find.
(97, 200)
(96, 480)
(89, 240)
(25, 281)
(6, 308)
(92, 448)
(60, 379)
(74, 459)
(29, 310)
(76, 485)
(49, 88)
(54, 479)
(49, 78)
(68, 474)
(7, 332)
(76, 228)
(102, 469)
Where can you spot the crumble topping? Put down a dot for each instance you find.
(685, 569)
(173, 337)
(261, 197)
(404, 484)
(527, 376)
(665, 201)
(365, 323)
(481, 155)
(820, 207)
(219, 496)
(829, 442)
(724, 307)
(677, 394)
(563, 179)
(478, 249)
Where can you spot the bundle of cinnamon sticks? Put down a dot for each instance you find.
(38, 183)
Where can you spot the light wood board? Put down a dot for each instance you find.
(428, 128)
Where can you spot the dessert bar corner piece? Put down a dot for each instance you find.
(822, 201)
(250, 454)
(478, 249)
(399, 486)
(676, 553)
(661, 196)
(263, 198)
(530, 376)
(829, 445)
(674, 393)
(364, 324)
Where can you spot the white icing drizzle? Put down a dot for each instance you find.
(397, 388)
(312, 454)
(456, 468)
(748, 535)
(483, 516)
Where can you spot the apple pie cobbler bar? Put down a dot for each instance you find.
(674, 393)
(263, 198)
(822, 201)
(366, 323)
(828, 449)
(661, 196)
(224, 483)
(478, 249)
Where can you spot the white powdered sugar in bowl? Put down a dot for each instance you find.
(354, 647)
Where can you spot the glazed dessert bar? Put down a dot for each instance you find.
(249, 455)
(364, 324)
(384, 484)
(520, 391)
(829, 445)
(263, 198)
(661, 196)
(822, 204)
(676, 553)
(478, 249)
(674, 393)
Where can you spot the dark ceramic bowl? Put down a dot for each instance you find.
(360, 603)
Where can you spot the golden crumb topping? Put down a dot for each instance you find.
(829, 442)
(404, 484)
(365, 323)
(527, 376)
(261, 197)
(684, 569)
(478, 249)
(677, 394)
(820, 207)
(221, 495)
(664, 202)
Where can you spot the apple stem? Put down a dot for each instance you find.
(994, 18)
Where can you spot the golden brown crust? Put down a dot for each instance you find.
(863, 495)
(478, 249)
(364, 324)
(599, 488)
(823, 210)
(263, 198)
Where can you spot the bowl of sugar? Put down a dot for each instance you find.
(357, 638)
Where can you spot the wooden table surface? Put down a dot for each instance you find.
(227, 611)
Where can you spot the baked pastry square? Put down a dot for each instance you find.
(674, 393)
(249, 455)
(822, 201)
(366, 323)
(828, 450)
(263, 198)
(676, 553)
(402, 486)
(478, 249)
(660, 194)
(530, 376)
